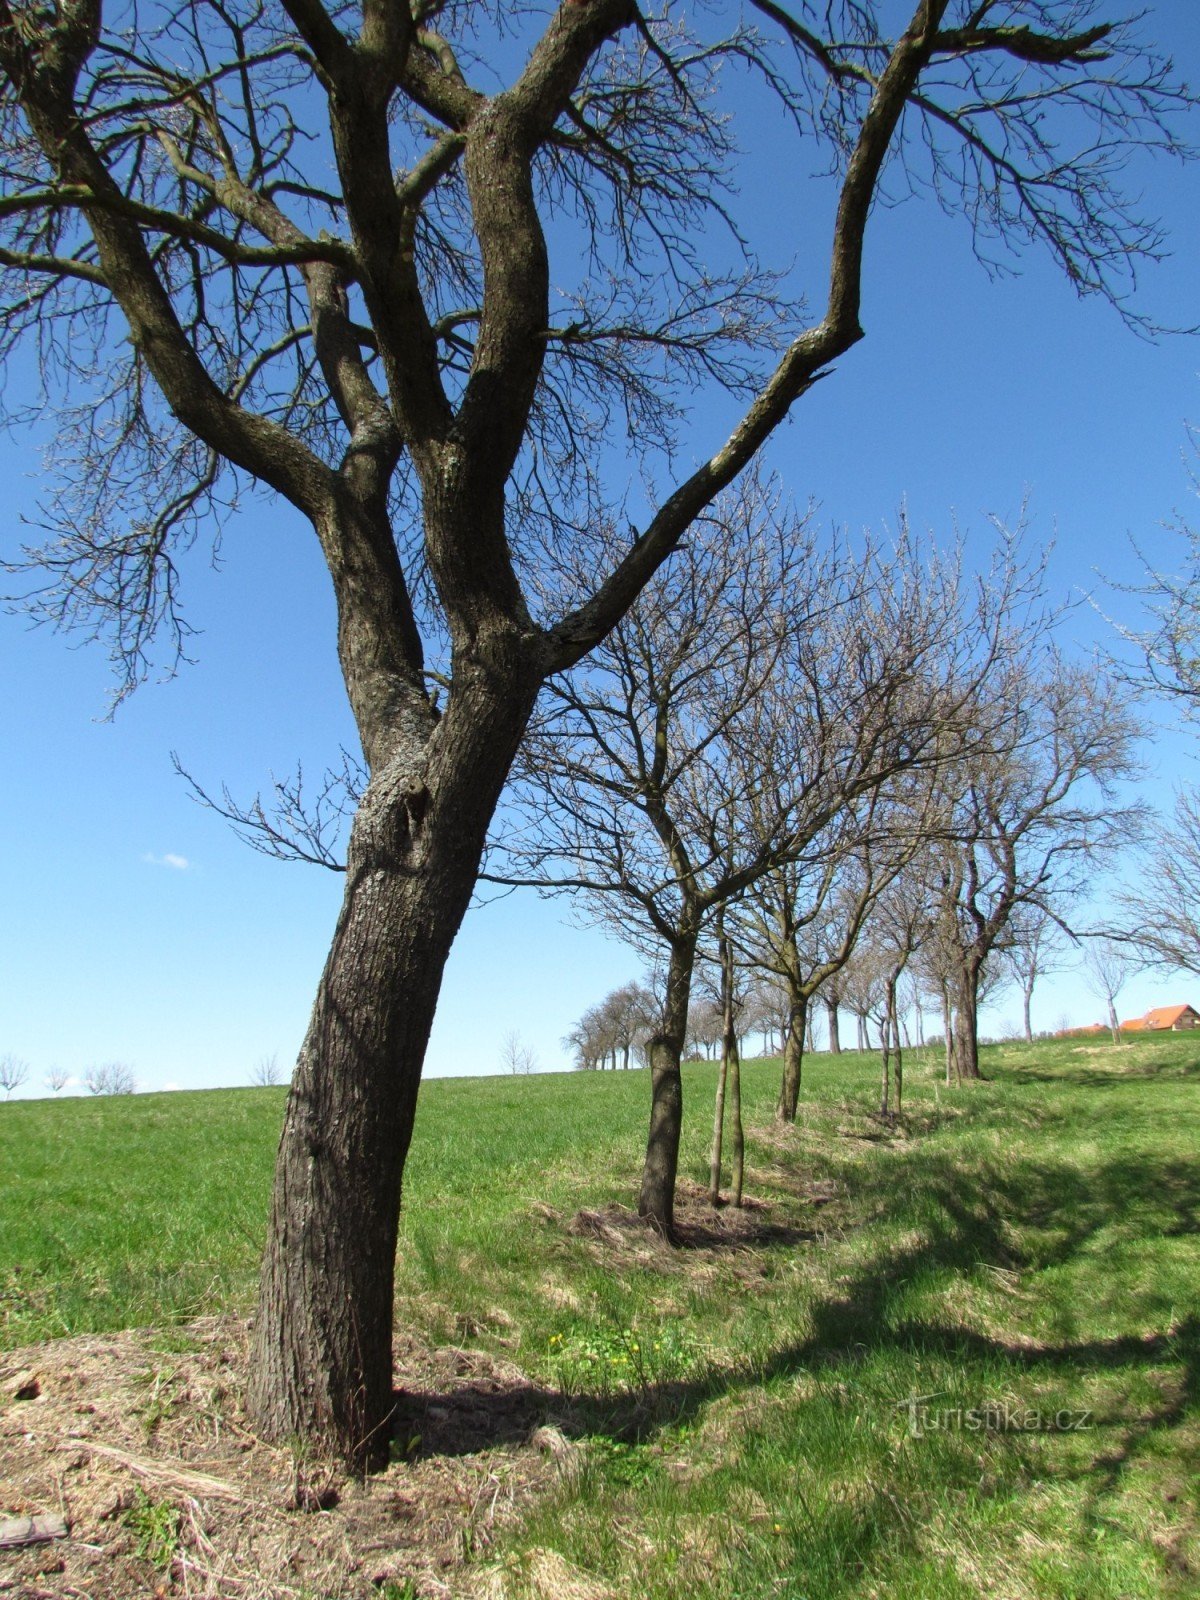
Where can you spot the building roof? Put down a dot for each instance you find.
(1158, 1017)
(1166, 1016)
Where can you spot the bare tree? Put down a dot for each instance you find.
(588, 1041)
(1033, 948)
(766, 1013)
(310, 249)
(902, 922)
(266, 1072)
(111, 1078)
(57, 1079)
(802, 925)
(1168, 641)
(619, 777)
(1035, 819)
(719, 732)
(13, 1073)
(516, 1056)
(1160, 907)
(1109, 965)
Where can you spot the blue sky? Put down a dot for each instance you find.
(137, 928)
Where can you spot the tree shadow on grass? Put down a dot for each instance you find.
(968, 1222)
(965, 1220)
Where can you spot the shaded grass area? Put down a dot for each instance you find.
(957, 1357)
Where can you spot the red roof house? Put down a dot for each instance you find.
(1164, 1019)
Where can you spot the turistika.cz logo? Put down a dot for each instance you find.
(993, 1416)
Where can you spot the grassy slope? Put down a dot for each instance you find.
(1030, 1243)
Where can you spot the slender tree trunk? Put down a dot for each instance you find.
(793, 1058)
(831, 1021)
(656, 1203)
(736, 1130)
(887, 1031)
(948, 1034)
(718, 1138)
(321, 1361)
(899, 1073)
(728, 1074)
(1028, 997)
(861, 1028)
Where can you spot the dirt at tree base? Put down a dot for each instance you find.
(138, 1439)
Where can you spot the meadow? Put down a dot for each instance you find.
(958, 1356)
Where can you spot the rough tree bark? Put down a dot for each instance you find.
(656, 1201)
(793, 1058)
(831, 1023)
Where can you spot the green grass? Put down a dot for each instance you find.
(1023, 1251)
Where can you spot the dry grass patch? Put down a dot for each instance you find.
(140, 1443)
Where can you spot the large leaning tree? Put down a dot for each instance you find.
(447, 277)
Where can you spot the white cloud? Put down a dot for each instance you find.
(172, 1085)
(170, 859)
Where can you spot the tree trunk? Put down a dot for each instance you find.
(737, 1131)
(966, 1037)
(730, 1077)
(1114, 1026)
(899, 1073)
(831, 1020)
(885, 1046)
(793, 1058)
(321, 1360)
(948, 1034)
(656, 1203)
(718, 1138)
(1028, 996)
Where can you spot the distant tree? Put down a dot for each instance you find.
(1036, 818)
(1033, 948)
(802, 924)
(13, 1073)
(1109, 965)
(111, 1078)
(57, 1079)
(705, 1027)
(902, 919)
(588, 1041)
(631, 1014)
(516, 1056)
(266, 1072)
(766, 1013)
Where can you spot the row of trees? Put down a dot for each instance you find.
(842, 761)
(112, 1077)
(448, 280)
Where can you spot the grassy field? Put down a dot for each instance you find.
(956, 1358)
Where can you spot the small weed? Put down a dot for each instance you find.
(161, 1403)
(155, 1526)
(604, 1361)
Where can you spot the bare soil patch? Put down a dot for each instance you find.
(699, 1226)
(138, 1440)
